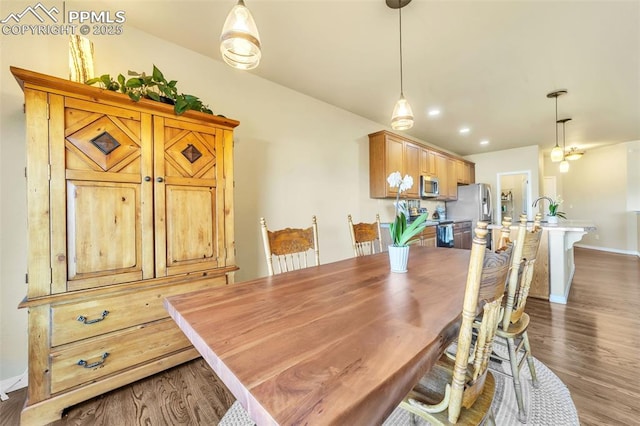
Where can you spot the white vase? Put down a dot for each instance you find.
(552, 219)
(398, 258)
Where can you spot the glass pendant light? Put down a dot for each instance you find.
(402, 117)
(564, 164)
(240, 41)
(557, 153)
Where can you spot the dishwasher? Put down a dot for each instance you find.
(444, 234)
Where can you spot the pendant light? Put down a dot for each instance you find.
(557, 153)
(402, 117)
(564, 164)
(240, 41)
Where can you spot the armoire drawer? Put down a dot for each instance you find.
(92, 359)
(76, 321)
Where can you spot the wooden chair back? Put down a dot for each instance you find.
(365, 237)
(288, 249)
(505, 233)
(469, 383)
(523, 263)
(486, 282)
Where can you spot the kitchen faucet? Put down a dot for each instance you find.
(535, 203)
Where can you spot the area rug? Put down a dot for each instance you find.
(550, 404)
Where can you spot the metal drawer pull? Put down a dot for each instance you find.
(83, 363)
(84, 320)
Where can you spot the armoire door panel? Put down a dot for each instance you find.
(186, 197)
(191, 227)
(96, 210)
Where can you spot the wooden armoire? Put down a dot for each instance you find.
(128, 203)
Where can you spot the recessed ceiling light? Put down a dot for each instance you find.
(464, 130)
(434, 112)
(484, 142)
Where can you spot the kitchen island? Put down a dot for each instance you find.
(555, 264)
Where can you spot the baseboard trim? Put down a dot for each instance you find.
(610, 250)
(13, 383)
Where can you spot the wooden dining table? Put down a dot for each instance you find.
(339, 343)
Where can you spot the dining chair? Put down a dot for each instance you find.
(365, 237)
(515, 322)
(288, 249)
(460, 388)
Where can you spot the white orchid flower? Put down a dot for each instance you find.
(394, 179)
(406, 183)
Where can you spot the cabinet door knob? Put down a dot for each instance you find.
(160, 179)
(147, 178)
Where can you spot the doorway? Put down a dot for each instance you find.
(513, 195)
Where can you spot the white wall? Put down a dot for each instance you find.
(294, 157)
(603, 187)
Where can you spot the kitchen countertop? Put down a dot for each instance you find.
(431, 222)
(564, 225)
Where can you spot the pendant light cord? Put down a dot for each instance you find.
(557, 123)
(564, 140)
(400, 16)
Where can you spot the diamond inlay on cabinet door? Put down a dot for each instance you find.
(106, 141)
(190, 152)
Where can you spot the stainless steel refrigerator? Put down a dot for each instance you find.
(474, 202)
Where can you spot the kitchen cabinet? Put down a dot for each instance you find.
(127, 204)
(452, 183)
(412, 168)
(389, 152)
(462, 237)
(463, 172)
(446, 172)
(426, 238)
(427, 162)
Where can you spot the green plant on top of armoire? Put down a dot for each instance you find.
(154, 86)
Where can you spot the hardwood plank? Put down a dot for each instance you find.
(590, 343)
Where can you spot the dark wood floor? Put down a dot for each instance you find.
(591, 344)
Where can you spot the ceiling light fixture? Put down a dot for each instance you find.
(484, 142)
(402, 117)
(564, 164)
(573, 154)
(434, 112)
(557, 153)
(240, 41)
(464, 130)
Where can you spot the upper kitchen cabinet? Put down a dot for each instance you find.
(446, 173)
(427, 162)
(464, 172)
(389, 153)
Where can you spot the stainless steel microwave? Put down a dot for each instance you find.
(429, 186)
